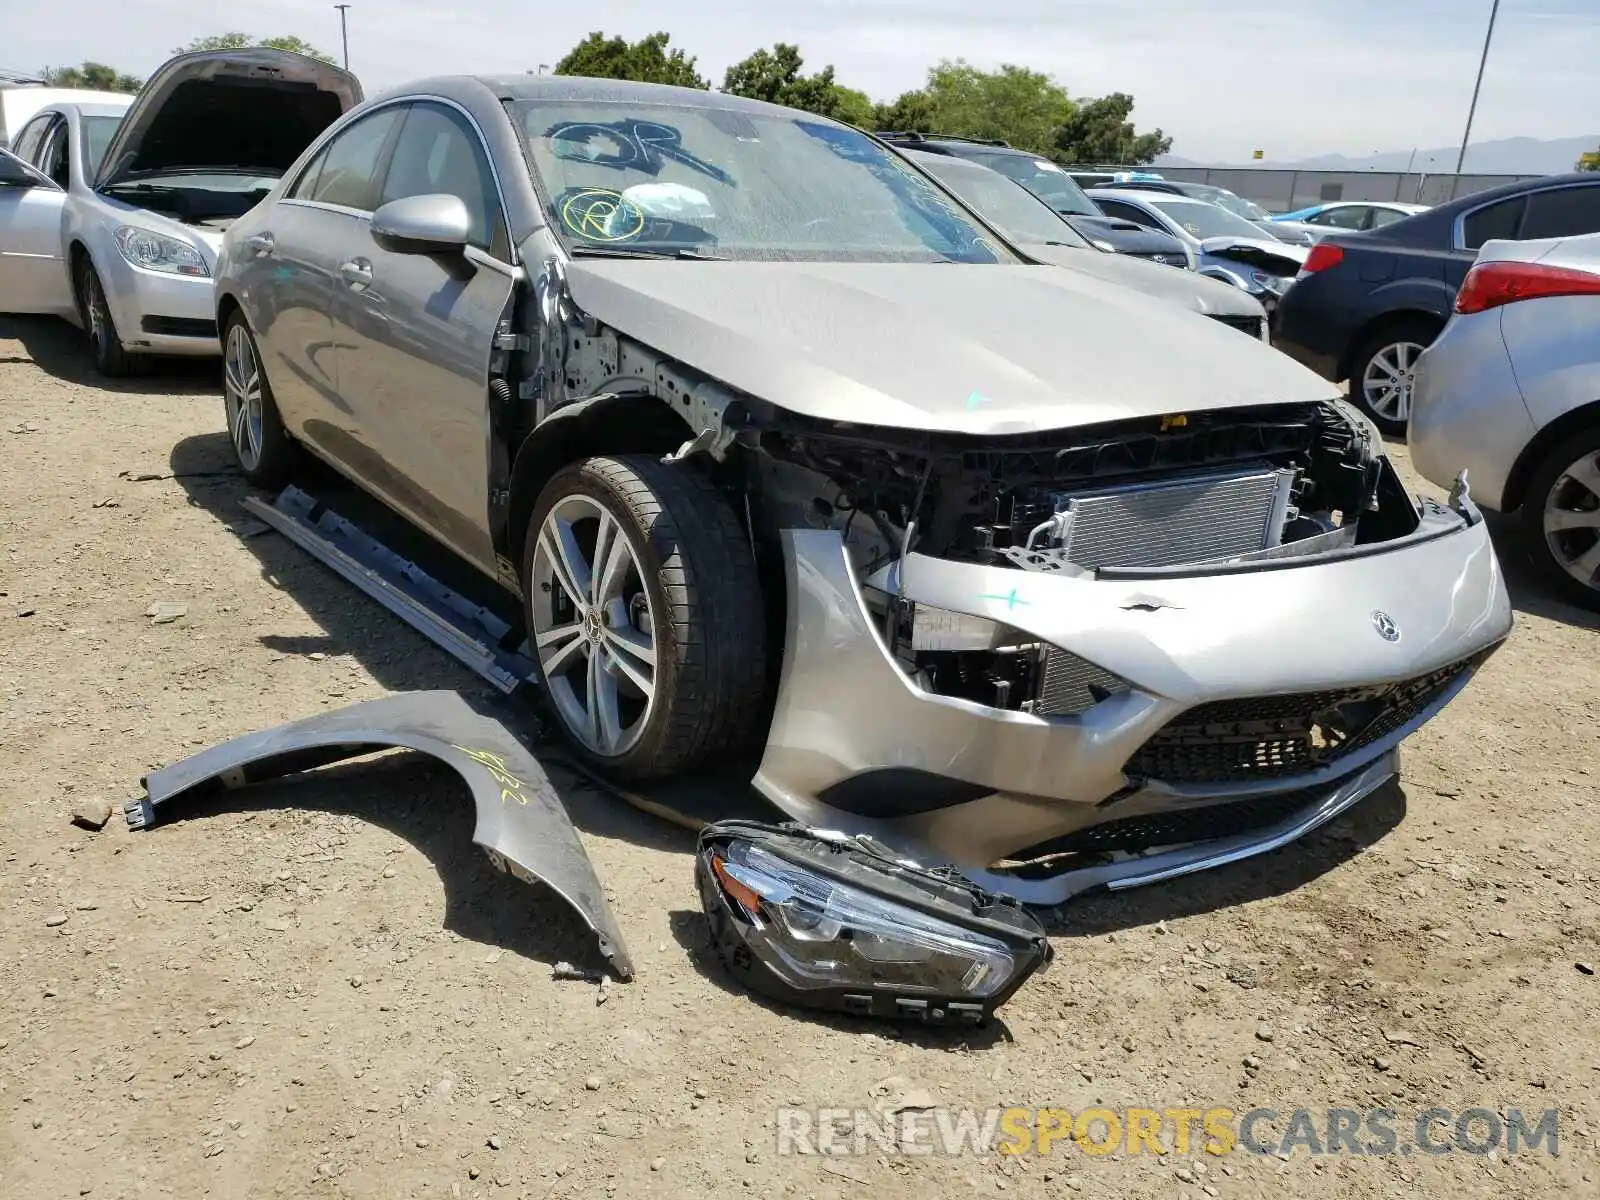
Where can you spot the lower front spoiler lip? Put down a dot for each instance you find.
(1157, 866)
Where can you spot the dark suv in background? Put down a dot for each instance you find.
(1367, 304)
(1056, 188)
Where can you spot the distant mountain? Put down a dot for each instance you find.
(1509, 156)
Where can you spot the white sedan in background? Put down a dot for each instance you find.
(115, 214)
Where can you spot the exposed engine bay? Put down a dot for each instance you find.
(1170, 491)
(1147, 497)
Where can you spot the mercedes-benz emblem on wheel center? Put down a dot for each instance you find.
(1385, 625)
(1160, 258)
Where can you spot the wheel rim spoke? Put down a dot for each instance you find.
(562, 550)
(557, 647)
(1586, 474)
(612, 558)
(1585, 566)
(1561, 520)
(605, 716)
(635, 657)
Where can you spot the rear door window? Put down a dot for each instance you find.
(1498, 220)
(1562, 212)
(26, 147)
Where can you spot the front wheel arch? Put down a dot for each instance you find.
(1568, 424)
(607, 424)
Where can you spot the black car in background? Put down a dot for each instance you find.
(1057, 189)
(1366, 304)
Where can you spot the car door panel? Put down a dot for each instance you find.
(324, 212)
(292, 255)
(415, 335)
(33, 268)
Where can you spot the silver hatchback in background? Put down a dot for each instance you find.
(1511, 391)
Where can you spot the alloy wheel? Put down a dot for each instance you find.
(241, 382)
(1386, 384)
(1572, 520)
(593, 626)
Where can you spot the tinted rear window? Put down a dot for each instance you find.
(1562, 212)
(1497, 220)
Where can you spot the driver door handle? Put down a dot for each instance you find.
(262, 243)
(357, 272)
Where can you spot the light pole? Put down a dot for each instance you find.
(344, 35)
(1487, 38)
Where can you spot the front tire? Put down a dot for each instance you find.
(1561, 518)
(105, 346)
(261, 447)
(1383, 371)
(645, 616)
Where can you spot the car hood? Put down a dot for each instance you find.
(1194, 292)
(229, 110)
(1264, 254)
(951, 347)
(1125, 235)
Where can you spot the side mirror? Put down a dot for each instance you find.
(430, 224)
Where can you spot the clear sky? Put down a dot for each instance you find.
(1223, 77)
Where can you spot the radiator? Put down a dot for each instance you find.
(1176, 521)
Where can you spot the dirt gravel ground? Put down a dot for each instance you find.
(323, 989)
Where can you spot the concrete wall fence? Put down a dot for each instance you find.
(1279, 189)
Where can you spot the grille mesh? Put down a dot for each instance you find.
(1182, 521)
(1268, 737)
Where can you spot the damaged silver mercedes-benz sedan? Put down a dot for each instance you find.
(787, 454)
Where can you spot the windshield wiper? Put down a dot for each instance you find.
(584, 250)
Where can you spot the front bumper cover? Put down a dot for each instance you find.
(845, 709)
(522, 824)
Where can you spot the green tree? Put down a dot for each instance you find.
(775, 76)
(238, 41)
(1021, 107)
(96, 76)
(853, 107)
(1589, 161)
(1100, 132)
(911, 112)
(648, 60)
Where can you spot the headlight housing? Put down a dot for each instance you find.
(1102, 244)
(820, 920)
(155, 252)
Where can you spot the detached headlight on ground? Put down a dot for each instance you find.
(156, 253)
(823, 921)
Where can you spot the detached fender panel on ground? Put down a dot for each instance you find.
(522, 824)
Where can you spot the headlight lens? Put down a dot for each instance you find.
(1102, 244)
(154, 252)
(822, 921)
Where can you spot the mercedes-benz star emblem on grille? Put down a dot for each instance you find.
(1384, 624)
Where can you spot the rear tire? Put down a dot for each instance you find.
(105, 346)
(260, 444)
(1561, 519)
(1382, 369)
(658, 663)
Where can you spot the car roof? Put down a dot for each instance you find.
(579, 87)
(1146, 196)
